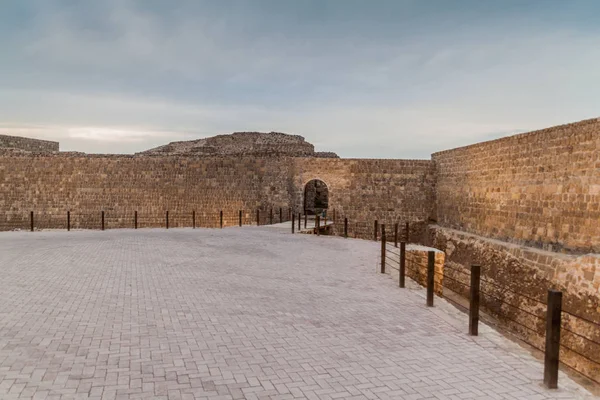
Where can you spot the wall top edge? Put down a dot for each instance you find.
(586, 122)
(9, 153)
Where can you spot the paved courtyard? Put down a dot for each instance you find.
(238, 313)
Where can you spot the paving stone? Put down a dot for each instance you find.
(249, 312)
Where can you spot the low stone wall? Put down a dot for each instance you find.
(27, 144)
(416, 265)
(515, 281)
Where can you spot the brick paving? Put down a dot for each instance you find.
(239, 313)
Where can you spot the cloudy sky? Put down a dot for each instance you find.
(385, 79)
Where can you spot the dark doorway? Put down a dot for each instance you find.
(316, 197)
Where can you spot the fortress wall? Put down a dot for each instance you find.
(526, 208)
(540, 189)
(364, 190)
(515, 281)
(52, 184)
(27, 144)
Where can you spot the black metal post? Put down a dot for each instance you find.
(221, 218)
(102, 216)
(293, 223)
(474, 300)
(135, 219)
(280, 215)
(240, 217)
(167, 219)
(31, 220)
(318, 223)
(383, 248)
(299, 222)
(193, 219)
(430, 275)
(271, 216)
(68, 221)
(257, 217)
(396, 234)
(345, 227)
(305, 219)
(551, 356)
(402, 269)
(376, 224)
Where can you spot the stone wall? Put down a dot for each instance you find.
(540, 189)
(50, 185)
(364, 190)
(526, 208)
(417, 259)
(515, 281)
(27, 144)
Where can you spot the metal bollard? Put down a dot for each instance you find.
(68, 221)
(305, 219)
(135, 219)
(383, 248)
(293, 223)
(474, 300)
(375, 230)
(240, 217)
(402, 269)
(193, 219)
(271, 216)
(257, 217)
(551, 356)
(299, 226)
(280, 215)
(102, 216)
(221, 218)
(318, 224)
(430, 275)
(167, 219)
(345, 227)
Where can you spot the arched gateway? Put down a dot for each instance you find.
(316, 197)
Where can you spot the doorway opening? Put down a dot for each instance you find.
(316, 198)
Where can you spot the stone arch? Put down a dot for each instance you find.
(315, 197)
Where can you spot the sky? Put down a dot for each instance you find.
(365, 79)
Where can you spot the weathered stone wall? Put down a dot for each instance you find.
(52, 184)
(364, 190)
(540, 189)
(526, 208)
(27, 144)
(515, 280)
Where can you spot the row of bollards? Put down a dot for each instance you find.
(430, 282)
(396, 232)
(553, 311)
(135, 219)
